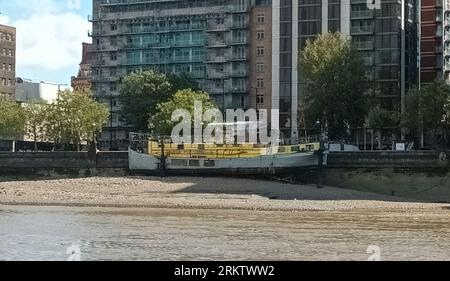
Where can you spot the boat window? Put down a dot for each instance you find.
(201, 147)
(181, 147)
(281, 150)
(194, 163)
(295, 149)
(210, 163)
(179, 162)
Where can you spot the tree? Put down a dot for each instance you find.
(12, 119)
(183, 81)
(37, 117)
(412, 120)
(75, 117)
(336, 84)
(141, 92)
(427, 110)
(379, 118)
(160, 123)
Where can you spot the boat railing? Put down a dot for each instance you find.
(161, 146)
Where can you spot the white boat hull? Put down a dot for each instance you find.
(262, 165)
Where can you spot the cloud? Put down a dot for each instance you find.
(4, 19)
(50, 41)
(49, 36)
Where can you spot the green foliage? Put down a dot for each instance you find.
(428, 109)
(435, 102)
(37, 113)
(379, 118)
(141, 92)
(160, 123)
(335, 84)
(412, 119)
(182, 82)
(12, 119)
(75, 117)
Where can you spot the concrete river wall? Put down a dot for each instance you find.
(50, 164)
(420, 175)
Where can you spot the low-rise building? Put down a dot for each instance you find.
(28, 90)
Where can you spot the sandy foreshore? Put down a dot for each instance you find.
(195, 193)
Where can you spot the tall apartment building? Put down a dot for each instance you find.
(435, 41)
(385, 33)
(446, 39)
(7, 62)
(261, 55)
(208, 39)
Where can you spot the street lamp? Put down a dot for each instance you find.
(94, 136)
(257, 98)
(321, 155)
(111, 120)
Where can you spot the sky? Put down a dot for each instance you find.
(49, 36)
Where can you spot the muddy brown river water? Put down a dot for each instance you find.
(45, 233)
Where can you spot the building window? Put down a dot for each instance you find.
(260, 67)
(260, 99)
(260, 19)
(259, 83)
(114, 41)
(260, 35)
(260, 51)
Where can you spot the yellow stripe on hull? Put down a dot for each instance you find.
(212, 151)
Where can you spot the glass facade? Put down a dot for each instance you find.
(285, 92)
(206, 39)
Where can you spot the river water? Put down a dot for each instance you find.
(45, 233)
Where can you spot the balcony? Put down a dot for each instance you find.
(362, 14)
(447, 52)
(215, 75)
(239, 57)
(239, 24)
(239, 41)
(363, 45)
(214, 27)
(213, 43)
(216, 59)
(239, 73)
(361, 30)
